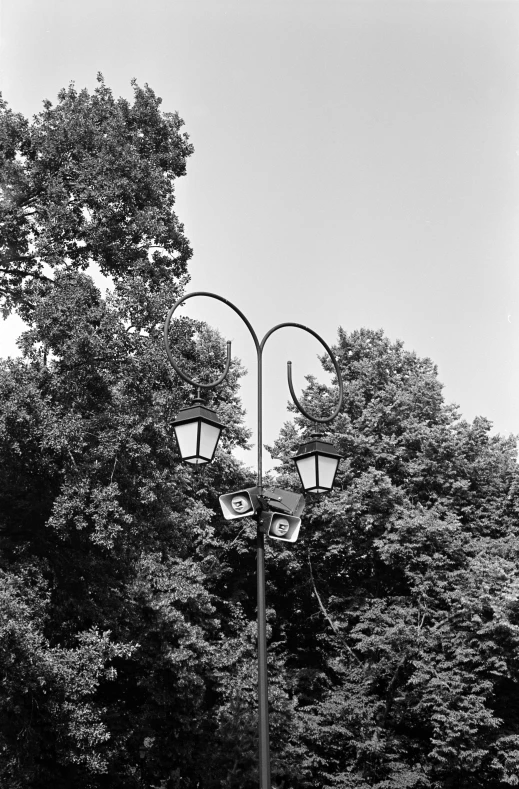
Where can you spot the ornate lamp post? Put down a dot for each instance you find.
(198, 429)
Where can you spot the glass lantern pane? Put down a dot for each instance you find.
(208, 440)
(306, 468)
(186, 438)
(327, 469)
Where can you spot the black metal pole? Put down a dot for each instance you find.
(263, 698)
(263, 694)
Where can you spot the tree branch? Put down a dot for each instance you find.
(19, 273)
(325, 612)
(391, 688)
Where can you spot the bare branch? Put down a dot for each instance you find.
(19, 273)
(112, 476)
(325, 612)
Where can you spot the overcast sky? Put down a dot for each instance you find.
(356, 164)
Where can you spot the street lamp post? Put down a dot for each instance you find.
(310, 455)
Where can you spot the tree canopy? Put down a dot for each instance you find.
(127, 603)
(406, 670)
(90, 179)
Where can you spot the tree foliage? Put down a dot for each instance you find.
(406, 670)
(90, 179)
(103, 527)
(128, 605)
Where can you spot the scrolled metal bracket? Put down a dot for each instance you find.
(301, 409)
(259, 349)
(172, 361)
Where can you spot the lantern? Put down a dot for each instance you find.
(317, 462)
(197, 430)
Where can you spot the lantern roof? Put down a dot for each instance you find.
(198, 410)
(316, 444)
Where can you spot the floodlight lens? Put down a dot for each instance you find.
(240, 503)
(280, 527)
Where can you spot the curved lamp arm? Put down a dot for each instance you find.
(173, 363)
(321, 419)
(259, 349)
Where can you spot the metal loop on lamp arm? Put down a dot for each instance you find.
(321, 419)
(172, 361)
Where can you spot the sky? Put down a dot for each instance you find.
(356, 164)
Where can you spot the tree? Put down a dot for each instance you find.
(398, 604)
(127, 603)
(115, 535)
(90, 179)
(108, 624)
